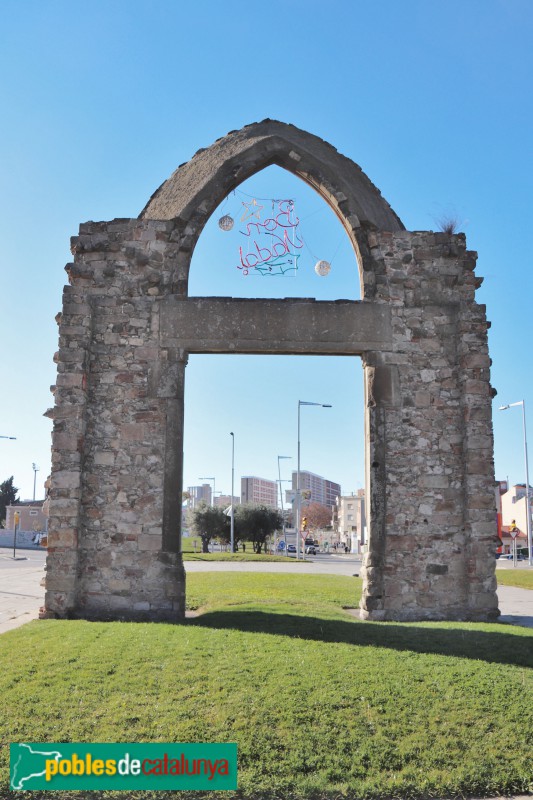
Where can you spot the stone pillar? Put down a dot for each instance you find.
(172, 388)
(430, 474)
(70, 393)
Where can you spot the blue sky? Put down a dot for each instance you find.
(101, 101)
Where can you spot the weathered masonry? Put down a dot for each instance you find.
(126, 330)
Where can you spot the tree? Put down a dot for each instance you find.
(8, 497)
(256, 523)
(318, 516)
(207, 522)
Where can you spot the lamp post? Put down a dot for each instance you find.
(280, 481)
(528, 509)
(298, 497)
(232, 518)
(35, 471)
(281, 495)
(8, 437)
(210, 479)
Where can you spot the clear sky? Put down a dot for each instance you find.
(101, 101)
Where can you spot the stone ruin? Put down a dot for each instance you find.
(125, 332)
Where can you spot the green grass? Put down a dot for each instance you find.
(322, 706)
(240, 557)
(515, 577)
(190, 553)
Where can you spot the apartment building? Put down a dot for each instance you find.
(259, 490)
(322, 490)
(199, 494)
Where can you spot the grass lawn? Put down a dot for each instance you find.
(240, 557)
(322, 706)
(515, 577)
(192, 553)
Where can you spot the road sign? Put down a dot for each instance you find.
(514, 534)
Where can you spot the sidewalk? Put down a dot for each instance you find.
(21, 593)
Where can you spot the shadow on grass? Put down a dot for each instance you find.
(492, 647)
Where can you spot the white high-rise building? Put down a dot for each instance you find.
(199, 494)
(322, 490)
(349, 522)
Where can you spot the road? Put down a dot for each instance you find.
(21, 593)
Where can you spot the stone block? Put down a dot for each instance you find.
(103, 458)
(63, 538)
(149, 542)
(66, 480)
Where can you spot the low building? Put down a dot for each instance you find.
(224, 500)
(513, 511)
(349, 521)
(31, 516)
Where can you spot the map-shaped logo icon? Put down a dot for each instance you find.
(28, 762)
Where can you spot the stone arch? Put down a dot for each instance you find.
(125, 332)
(196, 188)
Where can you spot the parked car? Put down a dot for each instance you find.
(291, 548)
(310, 550)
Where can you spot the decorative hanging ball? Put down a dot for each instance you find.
(322, 268)
(226, 222)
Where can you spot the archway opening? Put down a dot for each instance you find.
(255, 398)
(280, 230)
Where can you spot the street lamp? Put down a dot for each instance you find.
(279, 481)
(528, 509)
(232, 518)
(210, 479)
(281, 494)
(35, 471)
(298, 497)
(8, 437)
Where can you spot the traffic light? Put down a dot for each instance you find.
(304, 523)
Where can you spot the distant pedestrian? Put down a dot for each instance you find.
(244, 547)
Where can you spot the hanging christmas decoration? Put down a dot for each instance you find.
(226, 222)
(322, 268)
(272, 243)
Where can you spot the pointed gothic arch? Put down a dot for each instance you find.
(196, 188)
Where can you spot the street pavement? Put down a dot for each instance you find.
(21, 592)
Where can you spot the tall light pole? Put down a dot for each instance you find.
(298, 497)
(232, 518)
(281, 495)
(528, 509)
(210, 479)
(35, 471)
(279, 481)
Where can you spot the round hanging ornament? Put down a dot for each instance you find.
(226, 222)
(322, 268)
